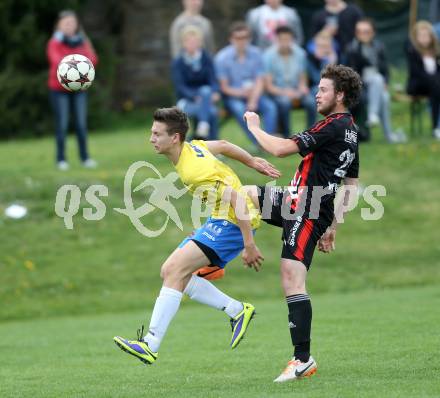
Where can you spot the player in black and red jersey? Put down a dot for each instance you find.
(305, 209)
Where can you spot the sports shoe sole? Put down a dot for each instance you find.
(242, 337)
(124, 348)
(310, 373)
(293, 379)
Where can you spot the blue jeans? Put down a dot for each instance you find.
(284, 105)
(62, 102)
(203, 109)
(379, 101)
(266, 107)
(437, 29)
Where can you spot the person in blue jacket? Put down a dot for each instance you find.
(196, 84)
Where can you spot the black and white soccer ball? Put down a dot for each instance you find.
(75, 72)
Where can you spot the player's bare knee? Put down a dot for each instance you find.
(174, 271)
(162, 272)
(292, 276)
(168, 269)
(292, 280)
(295, 287)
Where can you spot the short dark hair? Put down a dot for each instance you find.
(369, 21)
(284, 29)
(346, 81)
(175, 120)
(238, 26)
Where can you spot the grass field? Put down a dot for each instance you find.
(65, 293)
(368, 344)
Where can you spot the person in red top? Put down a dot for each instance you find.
(69, 38)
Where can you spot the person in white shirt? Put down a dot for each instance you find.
(265, 19)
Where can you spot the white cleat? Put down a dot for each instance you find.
(296, 370)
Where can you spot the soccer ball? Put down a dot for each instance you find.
(75, 72)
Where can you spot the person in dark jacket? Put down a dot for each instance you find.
(338, 18)
(366, 55)
(196, 85)
(423, 54)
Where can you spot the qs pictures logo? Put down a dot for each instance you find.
(68, 200)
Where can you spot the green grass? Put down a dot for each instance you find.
(65, 293)
(367, 344)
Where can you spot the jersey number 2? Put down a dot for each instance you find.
(346, 158)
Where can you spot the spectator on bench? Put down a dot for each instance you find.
(191, 15)
(286, 80)
(366, 55)
(195, 83)
(423, 53)
(434, 16)
(339, 19)
(265, 19)
(240, 72)
(321, 52)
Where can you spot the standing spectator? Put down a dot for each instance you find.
(195, 83)
(423, 54)
(69, 38)
(321, 52)
(339, 19)
(286, 80)
(265, 19)
(366, 55)
(191, 15)
(240, 72)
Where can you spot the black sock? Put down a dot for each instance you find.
(300, 322)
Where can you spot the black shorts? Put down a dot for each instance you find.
(300, 235)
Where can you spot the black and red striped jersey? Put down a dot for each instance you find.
(330, 153)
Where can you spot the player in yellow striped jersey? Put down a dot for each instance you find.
(228, 231)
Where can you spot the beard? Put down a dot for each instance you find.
(327, 109)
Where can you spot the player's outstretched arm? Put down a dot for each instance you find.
(233, 151)
(349, 191)
(279, 147)
(251, 255)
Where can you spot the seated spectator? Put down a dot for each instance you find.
(195, 83)
(434, 16)
(265, 19)
(366, 55)
(240, 72)
(423, 54)
(191, 15)
(286, 79)
(321, 52)
(339, 19)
